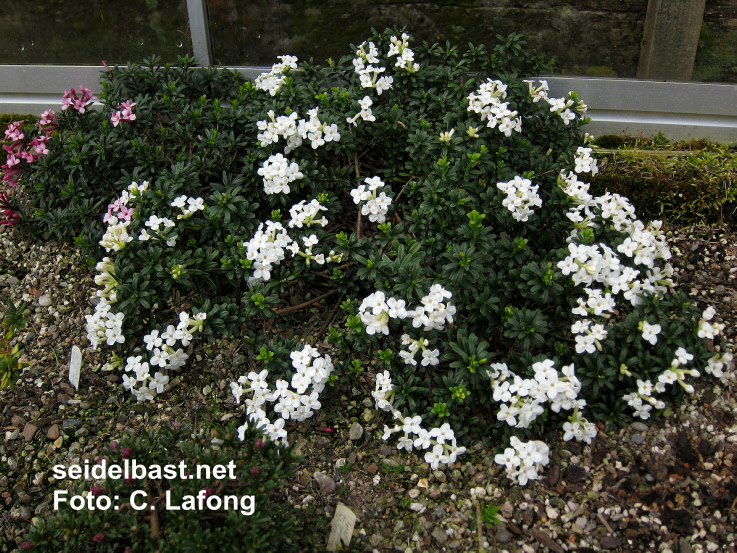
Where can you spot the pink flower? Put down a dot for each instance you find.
(124, 113)
(48, 122)
(114, 446)
(98, 537)
(13, 132)
(27, 545)
(259, 444)
(70, 99)
(255, 471)
(127, 452)
(95, 491)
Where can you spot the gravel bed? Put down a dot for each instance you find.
(668, 485)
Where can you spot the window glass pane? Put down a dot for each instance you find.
(85, 32)
(587, 37)
(595, 38)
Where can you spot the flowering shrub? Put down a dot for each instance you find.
(219, 496)
(437, 196)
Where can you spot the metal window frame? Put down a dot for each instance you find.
(637, 107)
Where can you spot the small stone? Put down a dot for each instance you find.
(413, 493)
(67, 388)
(439, 475)
(12, 435)
(391, 463)
(356, 432)
(637, 438)
(18, 421)
(417, 507)
(25, 513)
(502, 534)
(639, 426)
(67, 425)
(13, 281)
(439, 535)
(507, 510)
(610, 542)
(574, 474)
(29, 431)
(326, 484)
(720, 290)
(82, 432)
(422, 483)
(373, 468)
(684, 546)
(44, 301)
(576, 529)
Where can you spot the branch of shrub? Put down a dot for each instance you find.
(304, 304)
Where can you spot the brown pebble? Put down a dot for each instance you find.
(53, 432)
(372, 468)
(29, 430)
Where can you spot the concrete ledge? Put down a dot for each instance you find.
(678, 110)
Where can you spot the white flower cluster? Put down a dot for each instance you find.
(521, 197)
(278, 172)
(718, 364)
(116, 236)
(298, 403)
(295, 130)
(155, 223)
(274, 79)
(429, 357)
(486, 101)
(707, 329)
(376, 207)
(598, 263)
(538, 93)
(366, 114)
(584, 163)
(189, 206)
(266, 248)
(140, 382)
(435, 311)
(366, 64)
(523, 459)
(376, 310)
(105, 325)
(643, 401)
(522, 398)
(559, 106)
(444, 450)
(406, 59)
(305, 214)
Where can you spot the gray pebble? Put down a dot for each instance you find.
(637, 438)
(439, 535)
(356, 432)
(639, 426)
(326, 484)
(69, 424)
(44, 301)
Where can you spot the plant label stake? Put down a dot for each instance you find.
(74, 366)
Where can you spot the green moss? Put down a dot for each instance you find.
(716, 58)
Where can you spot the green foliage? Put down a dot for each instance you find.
(458, 158)
(10, 363)
(251, 470)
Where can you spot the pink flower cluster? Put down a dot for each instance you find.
(124, 113)
(7, 216)
(48, 122)
(70, 99)
(17, 151)
(117, 210)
